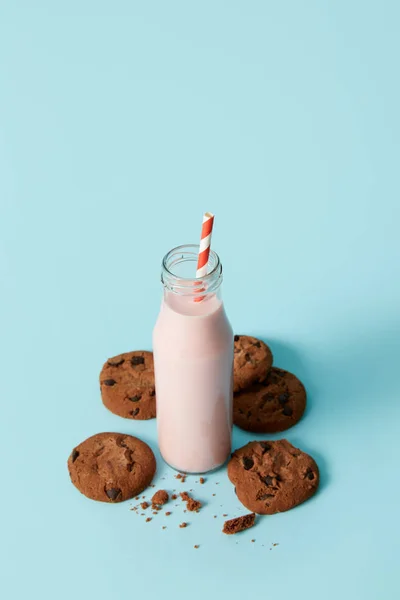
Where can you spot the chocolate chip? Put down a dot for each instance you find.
(310, 474)
(241, 411)
(267, 397)
(247, 357)
(135, 398)
(287, 411)
(247, 463)
(115, 362)
(283, 398)
(265, 446)
(113, 493)
(258, 344)
(268, 480)
(134, 412)
(249, 414)
(265, 496)
(109, 382)
(279, 372)
(236, 338)
(235, 491)
(74, 455)
(152, 393)
(137, 360)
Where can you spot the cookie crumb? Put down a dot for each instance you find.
(182, 525)
(164, 527)
(154, 512)
(179, 476)
(167, 514)
(174, 497)
(214, 494)
(215, 516)
(196, 546)
(275, 545)
(183, 479)
(202, 480)
(239, 524)
(145, 505)
(225, 515)
(253, 540)
(160, 498)
(148, 519)
(193, 505)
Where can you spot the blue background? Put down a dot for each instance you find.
(120, 123)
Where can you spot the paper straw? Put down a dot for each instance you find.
(205, 243)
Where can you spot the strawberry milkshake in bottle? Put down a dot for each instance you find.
(193, 360)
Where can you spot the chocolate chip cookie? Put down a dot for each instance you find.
(111, 467)
(274, 405)
(251, 362)
(127, 385)
(272, 477)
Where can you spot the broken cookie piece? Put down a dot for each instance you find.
(239, 524)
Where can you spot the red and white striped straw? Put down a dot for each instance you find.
(205, 243)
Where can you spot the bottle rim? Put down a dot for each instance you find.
(190, 285)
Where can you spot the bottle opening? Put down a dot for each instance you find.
(179, 271)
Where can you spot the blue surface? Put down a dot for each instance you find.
(120, 123)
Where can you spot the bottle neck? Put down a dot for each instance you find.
(179, 270)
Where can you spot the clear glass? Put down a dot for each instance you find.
(193, 360)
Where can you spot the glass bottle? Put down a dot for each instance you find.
(193, 361)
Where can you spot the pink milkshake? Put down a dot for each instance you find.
(193, 359)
